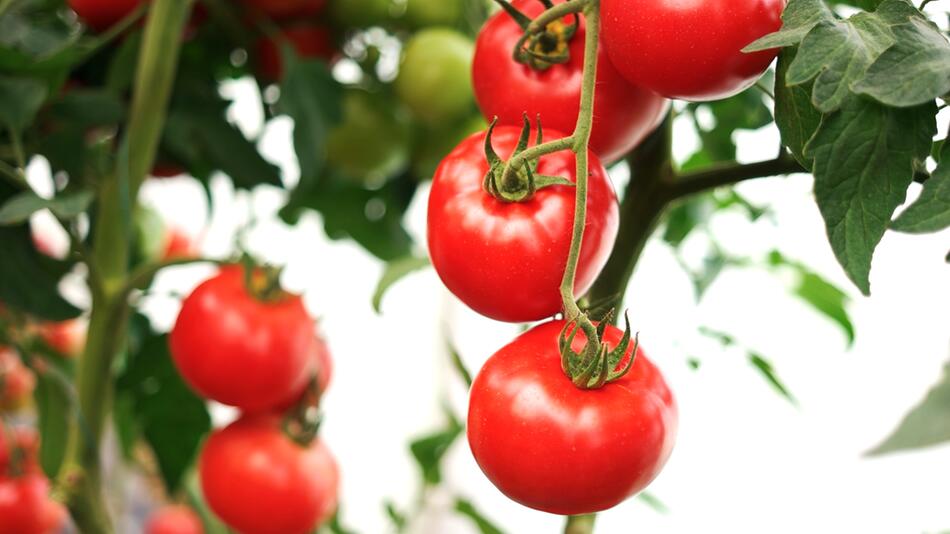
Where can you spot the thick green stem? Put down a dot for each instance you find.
(581, 137)
(557, 12)
(580, 524)
(80, 477)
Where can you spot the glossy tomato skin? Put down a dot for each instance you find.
(237, 350)
(506, 260)
(553, 447)
(308, 40)
(258, 481)
(691, 50)
(100, 15)
(286, 9)
(174, 520)
(624, 114)
(25, 507)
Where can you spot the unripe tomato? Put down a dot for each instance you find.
(16, 381)
(505, 260)
(556, 448)
(259, 481)
(689, 50)
(361, 13)
(624, 114)
(233, 348)
(308, 40)
(100, 15)
(25, 507)
(174, 520)
(435, 76)
(286, 9)
(424, 13)
(372, 143)
(434, 143)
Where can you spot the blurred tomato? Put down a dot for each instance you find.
(68, 338)
(308, 40)
(25, 507)
(361, 13)
(178, 245)
(174, 520)
(16, 381)
(435, 76)
(423, 13)
(286, 9)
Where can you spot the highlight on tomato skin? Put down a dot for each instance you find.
(554, 447)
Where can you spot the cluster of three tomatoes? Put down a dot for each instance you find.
(541, 440)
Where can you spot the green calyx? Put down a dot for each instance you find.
(542, 45)
(301, 424)
(596, 364)
(263, 282)
(516, 180)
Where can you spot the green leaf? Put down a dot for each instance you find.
(927, 424)
(768, 372)
(915, 70)
(799, 17)
(398, 518)
(931, 211)
(796, 117)
(19, 208)
(173, 419)
(312, 98)
(20, 99)
(685, 217)
(725, 339)
(653, 502)
(459, 365)
(54, 409)
(86, 108)
(395, 271)
(429, 450)
(822, 295)
(468, 510)
(865, 157)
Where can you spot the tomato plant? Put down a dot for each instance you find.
(563, 450)
(308, 41)
(296, 484)
(623, 113)
(691, 51)
(16, 382)
(372, 143)
(435, 75)
(174, 520)
(243, 346)
(425, 13)
(505, 259)
(103, 14)
(25, 507)
(286, 9)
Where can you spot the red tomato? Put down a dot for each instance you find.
(624, 114)
(174, 520)
(178, 245)
(68, 338)
(554, 447)
(100, 15)
(259, 481)
(505, 260)
(286, 9)
(690, 50)
(238, 350)
(27, 441)
(25, 507)
(310, 41)
(324, 363)
(16, 381)
(166, 170)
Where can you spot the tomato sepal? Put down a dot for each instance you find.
(596, 365)
(516, 185)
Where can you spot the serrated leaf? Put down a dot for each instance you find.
(915, 70)
(395, 271)
(468, 510)
(865, 156)
(768, 372)
(820, 294)
(312, 98)
(926, 424)
(835, 54)
(173, 420)
(429, 450)
(931, 211)
(799, 17)
(796, 117)
(19, 208)
(20, 99)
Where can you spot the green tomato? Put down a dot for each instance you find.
(361, 13)
(424, 13)
(433, 144)
(372, 143)
(435, 76)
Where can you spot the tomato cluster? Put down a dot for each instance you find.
(25, 504)
(241, 340)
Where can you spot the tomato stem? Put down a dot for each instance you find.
(580, 524)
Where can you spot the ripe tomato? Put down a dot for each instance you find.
(27, 441)
(25, 507)
(174, 520)
(624, 114)
(323, 362)
(551, 446)
(100, 15)
(689, 50)
(286, 9)
(309, 41)
(164, 169)
(16, 381)
(67, 338)
(435, 75)
(259, 481)
(505, 260)
(178, 245)
(238, 350)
